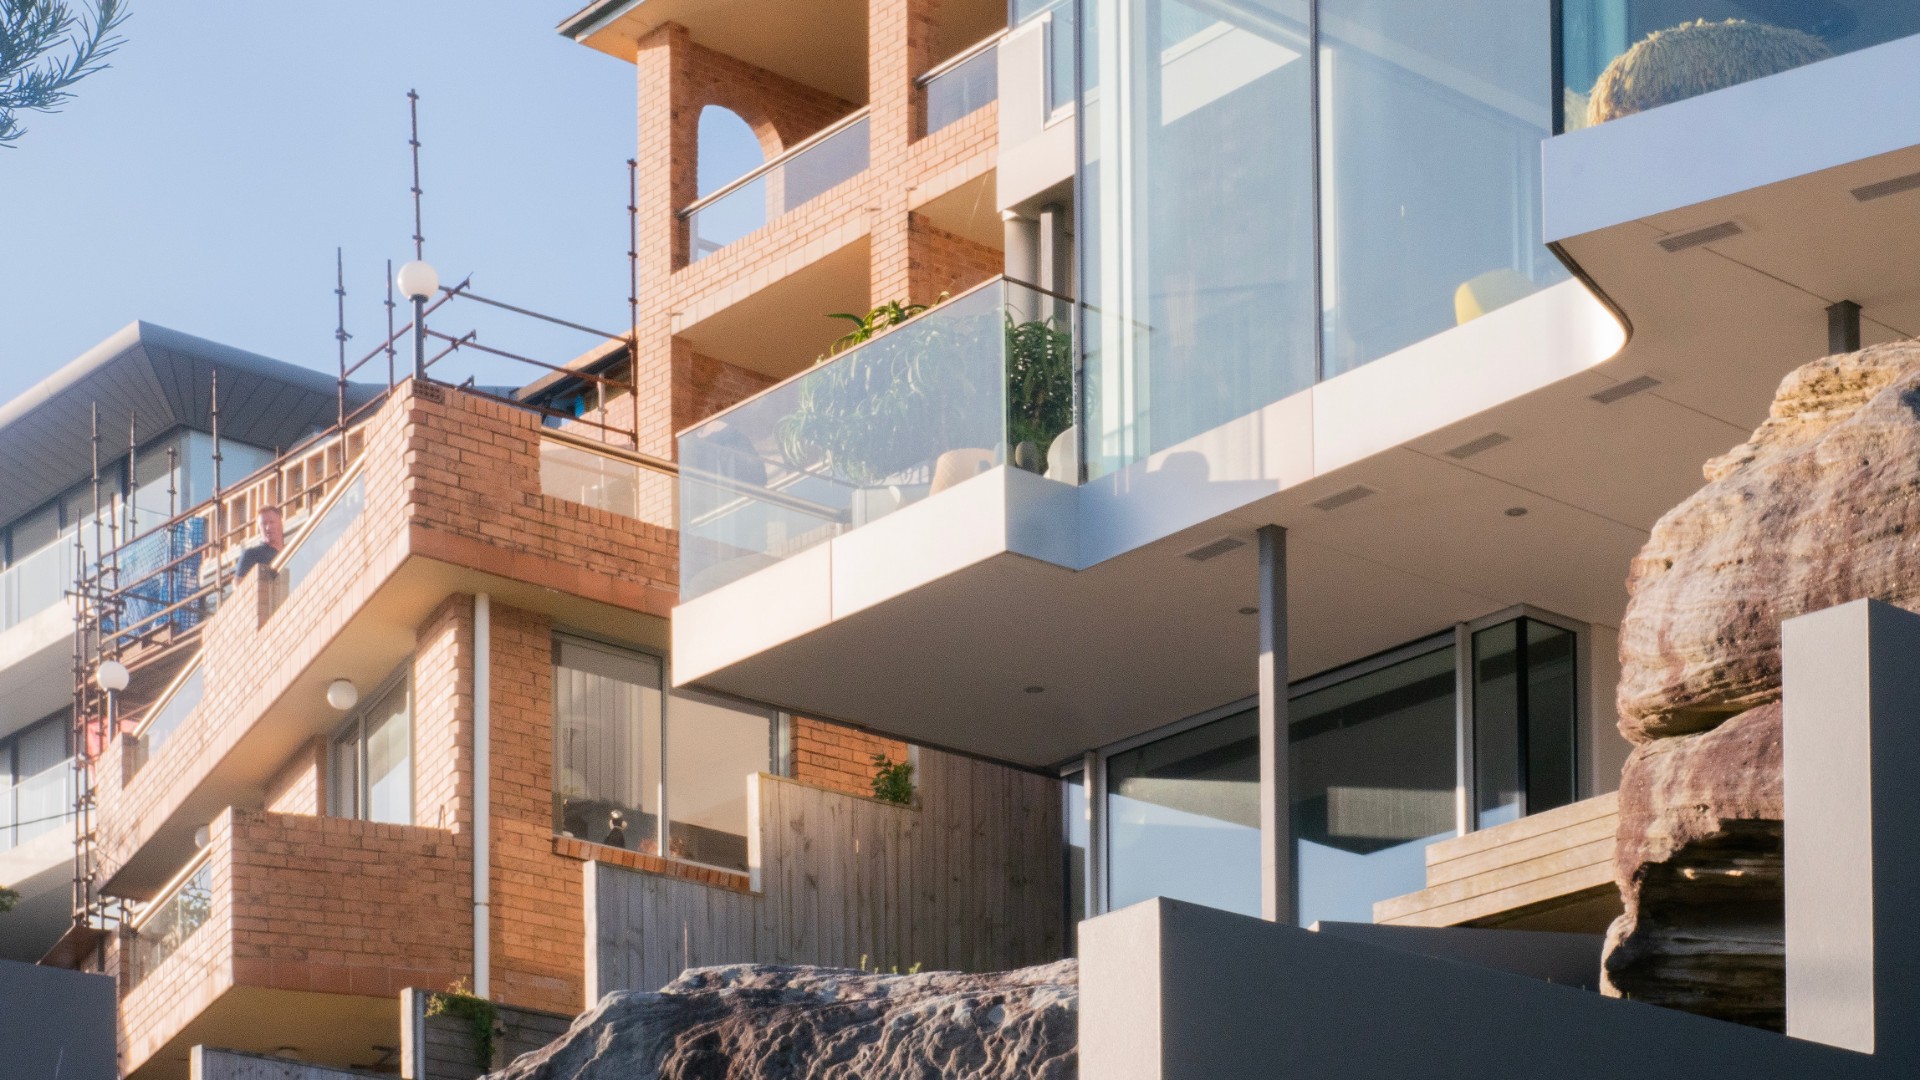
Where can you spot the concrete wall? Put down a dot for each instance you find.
(209, 1063)
(55, 1023)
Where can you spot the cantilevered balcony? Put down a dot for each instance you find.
(980, 381)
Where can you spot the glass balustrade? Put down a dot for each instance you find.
(603, 481)
(956, 92)
(35, 583)
(40, 804)
(782, 184)
(981, 380)
(1627, 56)
(173, 921)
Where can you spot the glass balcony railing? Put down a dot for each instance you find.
(173, 921)
(606, 478)
(983, 379)
(36, 583)
(40, 804)
(798, 176)
(1626, 56)
(963, 85)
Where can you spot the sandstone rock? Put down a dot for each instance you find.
(754, 1022)
(1699, 863)
(1820, 507)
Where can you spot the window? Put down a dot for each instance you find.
(606, 744)
(1375, 755)
(623, 747)
(1373, 774)
(1184, 817)
(370, 773)
(173, 920)
(36, 780)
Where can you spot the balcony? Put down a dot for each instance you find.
(454, 494)
(780, 186)
(980, 381)
(963, 85)
(36, 861)
(291, 930)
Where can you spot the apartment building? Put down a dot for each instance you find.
(1272, 476)
(373, 688)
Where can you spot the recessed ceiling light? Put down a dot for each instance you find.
(1636, 385)
(1036, 689)
(1249, 611)
(1516, 511)
(1478, 446)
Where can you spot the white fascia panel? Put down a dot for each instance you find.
(920, 543)
(1529, 344)
(1211, 474)
(744, 618)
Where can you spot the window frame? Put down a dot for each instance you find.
(779, 743)
(353, 732)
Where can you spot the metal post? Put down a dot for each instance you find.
(1276, 826)
(1094, 782)
(420, 338)
(340, 334)
(391, 332)
(633, 298)
(1843, 328)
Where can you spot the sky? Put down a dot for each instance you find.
(205, 179)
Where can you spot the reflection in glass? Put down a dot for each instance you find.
(606, 744)
(1373, 779)
(173, 921)
(714, 749)
(1430, 144)
(1524, 701)
(1626, 56)
(963, 89)
(1183, 818)
(1073, 810)
(371, 772)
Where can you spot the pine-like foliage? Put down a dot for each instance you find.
(45, 48)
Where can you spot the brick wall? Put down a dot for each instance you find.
(703, 386)
(946, 262)
(838, 757)
(300, 787)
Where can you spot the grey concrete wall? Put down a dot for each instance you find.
(56, 1023)
(210, 1063)
(1563, 959)
(1173, 991)
(443, 1047)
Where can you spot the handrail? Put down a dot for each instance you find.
(961, 57)
(997, 280)
(164, 699)
(776, 161)
(617, 453)
(173, 887)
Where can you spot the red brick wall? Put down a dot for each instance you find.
(703, 386)
(946, 262)
(300, 787)
(443, 720)
(838, 757)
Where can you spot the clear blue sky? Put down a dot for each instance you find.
(204, 181)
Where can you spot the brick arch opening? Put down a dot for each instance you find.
(727, 145)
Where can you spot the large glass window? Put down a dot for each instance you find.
(36, 780)
(606, 744)
(1073, 794)
(371, 773)
(1524, 700)
(1197, 216)
(714, 746)
(620, 744)
(1183, 818)
(1375, 756)
(1373, 781)
(1432, 117)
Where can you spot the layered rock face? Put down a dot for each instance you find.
(753, 1022)
(1820, 507)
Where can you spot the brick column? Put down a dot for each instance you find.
(900, 39)
(667, 138)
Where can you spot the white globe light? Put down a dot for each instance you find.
(342, 694)
(112, 676)
(418, 280)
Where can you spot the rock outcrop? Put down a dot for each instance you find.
(753, 1022)
(1820, 507)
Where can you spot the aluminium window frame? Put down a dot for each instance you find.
(355, 727)
(1092, 765)
(779, 736)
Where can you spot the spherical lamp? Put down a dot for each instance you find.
(342, 694)
(418, 280)
(111, 676)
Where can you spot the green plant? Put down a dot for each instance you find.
(885, 317)
(8, 898)
(895, 406)
(912, 969)
(892, 780)
(33, 78)
(479, 1013)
